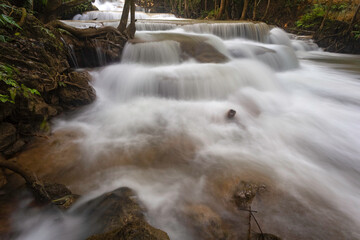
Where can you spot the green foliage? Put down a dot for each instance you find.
(7, 74)
(8, 21)
(46, 31)
(339, 7)
(3, 5)
(311, 18)
(213, 13)
(45, 126)
(62, 84)
(356, 34)
(5, 98)
(3, 38)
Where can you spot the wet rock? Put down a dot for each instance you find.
(245, 193)
(66, 202)
(203, 52)
(40, 108)
(56, 190)
(264, 236)
(119, 215)
(207, 223)
(7, 135)
(231, 113)
(136, 230)
(16, 147)
(76, 90)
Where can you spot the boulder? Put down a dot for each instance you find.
(76, 90)
(119, 215)
(136, 230)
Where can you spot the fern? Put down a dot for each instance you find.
(5, 20)
(6, 76)
(3, 38)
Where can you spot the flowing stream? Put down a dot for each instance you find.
(159, 126)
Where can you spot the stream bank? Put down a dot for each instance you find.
(38, 80)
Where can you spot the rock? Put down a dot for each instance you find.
(207, 223)
(16, 147)
(136, 230)
(3, 180)
(76, 91)
(40, 108)
(231, 113)
(264, 236)
(5, 110)
(7, 135)
(118, 215)
(245, 193)
(56, 190)
(78, 9)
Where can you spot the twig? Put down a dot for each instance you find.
(257, 223)
(261, 232)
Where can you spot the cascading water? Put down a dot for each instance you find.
(159, 126)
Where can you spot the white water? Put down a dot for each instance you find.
(158, 126)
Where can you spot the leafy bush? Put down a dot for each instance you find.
(311, 18)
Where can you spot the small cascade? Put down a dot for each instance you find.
(188, 81)
(116, 15)
(278, 57)
(73, 56)
(151, 26)
(280, 37)
(164, 52)
(109, 5)
(100, 53)
(303, 43)
(253, 31)
(282, 58)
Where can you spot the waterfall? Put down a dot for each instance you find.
(159, 125)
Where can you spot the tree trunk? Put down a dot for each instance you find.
(354, 18)
(130, 31)
(254, 10)
(221, 10)
(267, 10)
(124, 17)
(205, 5)
(328, 6)
(243, 14)
(87, 32)
(186, 8)
(233, 10)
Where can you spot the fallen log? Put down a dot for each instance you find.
(36, 186)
